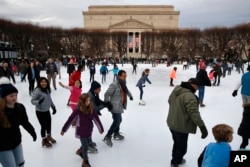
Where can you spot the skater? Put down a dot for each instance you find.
(103, 71)
(85, 115)
(217, 74)
(117, 94)
(51, 71)
(12, 115)
(92, 72)
(76, 75)
(203, 81)
(75, 93)
(141, 83)
(134, 68)
(5, 71)
(217, 154)
(32, 73)
(98, 105)
(115, 71)
(172, 75)
(183, 118)
(244, 129)
(42, 100)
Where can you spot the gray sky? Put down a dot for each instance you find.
(68, 13)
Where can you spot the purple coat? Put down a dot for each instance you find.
(84, 123)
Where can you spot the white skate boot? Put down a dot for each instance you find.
(141, 103)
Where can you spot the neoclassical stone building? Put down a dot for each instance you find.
(133, 19)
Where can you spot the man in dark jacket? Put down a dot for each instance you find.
(183, 118)
(203, 81)
(5, 71)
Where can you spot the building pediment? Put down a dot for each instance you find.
(131, 24)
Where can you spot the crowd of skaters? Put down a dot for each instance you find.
(52, 70)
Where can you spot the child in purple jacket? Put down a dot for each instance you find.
(84, 115)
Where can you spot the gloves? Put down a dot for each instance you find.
(204, 132)
(33, 134)
(40, 101)
(108, 105)
(234, 93)
(143, 85)
(54, 110)
(131, 98)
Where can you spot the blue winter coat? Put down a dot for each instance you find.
(245, 82)
(217, 155)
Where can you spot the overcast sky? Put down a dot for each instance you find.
(68, 13)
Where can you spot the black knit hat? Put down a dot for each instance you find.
(7, 89)
(193, 81)
(95, 85)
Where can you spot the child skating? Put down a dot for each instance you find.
(85, 115)
(141, 83)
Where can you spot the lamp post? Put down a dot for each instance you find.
(48, 50)
(31, 50)
(141, 51)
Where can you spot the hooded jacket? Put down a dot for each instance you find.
(184, 115)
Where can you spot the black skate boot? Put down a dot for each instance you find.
(118, 136)
(107, 140)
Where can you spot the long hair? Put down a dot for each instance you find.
(43, 89)
(146, 71)
(82, 104)
(4, 121)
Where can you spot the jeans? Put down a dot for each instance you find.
(115, 127)
(201, 93)
(103, 78)
(12, 158)
(85, 142)
(179, 147)
(141, 92)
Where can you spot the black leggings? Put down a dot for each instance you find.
(44, 119)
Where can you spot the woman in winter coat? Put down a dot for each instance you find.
(42, 100)
(12, 115)
(141, 83)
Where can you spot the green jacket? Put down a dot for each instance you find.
(183, 115)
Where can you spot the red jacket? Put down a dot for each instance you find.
(76, 75)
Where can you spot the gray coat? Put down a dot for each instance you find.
(114, 95)
(46, 104)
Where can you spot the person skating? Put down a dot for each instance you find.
(141, 83)
(117, 94)
(203, 81)
(244, 128)
(12, 115)
(41, 98)
(86, 115)
(172, 75)
(183, 118)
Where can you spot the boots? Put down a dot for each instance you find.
(46, 143)
(85, 163)
(202, 105)
(50, 139)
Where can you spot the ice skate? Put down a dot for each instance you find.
(141, 103)
(118, 136)
(107, 140)
(92, 149)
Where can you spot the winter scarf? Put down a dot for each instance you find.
(123, 85)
